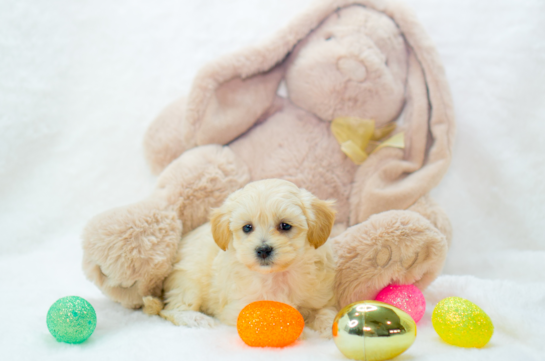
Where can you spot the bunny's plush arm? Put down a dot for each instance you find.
(129, 250)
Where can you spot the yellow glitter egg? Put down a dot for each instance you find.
(269, 324)
(373, 331)
(460, 322)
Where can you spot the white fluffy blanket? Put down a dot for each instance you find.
(80, 81)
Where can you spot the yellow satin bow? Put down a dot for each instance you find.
(359, 138)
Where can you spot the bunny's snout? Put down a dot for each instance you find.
(352, 68)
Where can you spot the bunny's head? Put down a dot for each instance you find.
(367, 59)
(352, 58)
(353, 64)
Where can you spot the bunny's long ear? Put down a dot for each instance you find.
(394, 178)
(229, 95)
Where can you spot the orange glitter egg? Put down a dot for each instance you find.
(269, 324)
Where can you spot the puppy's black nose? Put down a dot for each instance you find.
(264, 252)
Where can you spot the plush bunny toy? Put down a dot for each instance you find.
(358, 58)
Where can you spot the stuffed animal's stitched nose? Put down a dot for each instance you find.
(264, 252)
(352, 68)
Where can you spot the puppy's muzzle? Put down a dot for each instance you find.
(264, 252)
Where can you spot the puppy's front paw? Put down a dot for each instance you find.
(189, 318)
(323, 322)
(152, 305)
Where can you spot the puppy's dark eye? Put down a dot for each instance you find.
(285, 226)
(247, 228)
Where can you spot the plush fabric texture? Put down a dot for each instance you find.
(81, 82)
(358, 58)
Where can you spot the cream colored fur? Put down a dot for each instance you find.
(360, 58)
(218, 271)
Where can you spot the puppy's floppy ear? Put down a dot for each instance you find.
(220, 227)
(319, 226)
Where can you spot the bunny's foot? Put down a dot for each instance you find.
(394, 247)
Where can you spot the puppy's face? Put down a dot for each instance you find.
(269, 223)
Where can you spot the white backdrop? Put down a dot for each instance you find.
(81, 80)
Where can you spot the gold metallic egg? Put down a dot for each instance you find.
(373, 331)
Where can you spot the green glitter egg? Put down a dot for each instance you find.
(71, 319)
(460, 322)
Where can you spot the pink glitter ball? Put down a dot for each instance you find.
(405, 297)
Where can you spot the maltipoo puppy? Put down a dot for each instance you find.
(266, 242)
